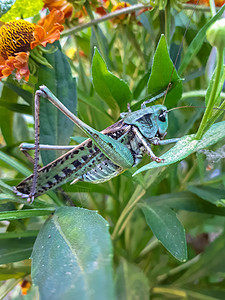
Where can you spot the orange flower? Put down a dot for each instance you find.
(25, 286)
(218, 3)
(119, 6)
(18, 37)
(124, 17)
(63, 5)
(48, 29)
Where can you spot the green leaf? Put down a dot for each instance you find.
(15, 107)
(7, 272)
(26, 213)
(16, 87)
(187, 145)
(197, 42)
(167, 228)
(131, 282)
(211, 261)
(114, 91)
(12, 250)
(210, 194)
(14, 164)
(23, 9)
(186, 201)
(219, 89)
(73, 245)
(5, 6)
(6, 116)
(162, 70)
(55, 127)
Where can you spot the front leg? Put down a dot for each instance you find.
(147, 147)
(156, 141)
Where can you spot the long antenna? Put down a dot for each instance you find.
(188, 106)
(178, 53)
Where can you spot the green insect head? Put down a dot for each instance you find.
(151, 121)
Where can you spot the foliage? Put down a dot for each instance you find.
(157, 230)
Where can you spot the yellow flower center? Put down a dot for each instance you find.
(15, 36)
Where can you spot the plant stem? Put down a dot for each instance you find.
(167, 22)
(109, 16)
(97, 34)
(212, 97)
(81, 68)
(178, 269)
(199, 93)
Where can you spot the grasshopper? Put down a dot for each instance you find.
(104, 155)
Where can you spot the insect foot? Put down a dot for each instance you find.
(29, 197)
(158, 159)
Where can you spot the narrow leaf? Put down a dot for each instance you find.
(55, 127)
(160, 77)
(74, 245)
(131, 282)
(197, 42)
(211, 262)
(6, 116)
(167, 228)
(186, 201)
(210, 194)
(114, 91)
(14, 164)
(12, 250)
(26, 213)
(188, 145)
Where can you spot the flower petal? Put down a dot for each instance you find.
(48, 29)
(18, 63)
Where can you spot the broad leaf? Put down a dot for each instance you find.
(55, 127)
(131, 282)
(72, 256)
(162, 70)
(188, 145)
(167, 228)
(114, 91)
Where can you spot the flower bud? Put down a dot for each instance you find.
(216, 34)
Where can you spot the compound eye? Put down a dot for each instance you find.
(162, 116)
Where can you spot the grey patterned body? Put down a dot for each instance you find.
(85, 162)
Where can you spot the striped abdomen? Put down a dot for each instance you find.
(85, 162)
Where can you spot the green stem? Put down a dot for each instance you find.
(109, 16)
(81, 68)
(125, 56)
(212, 97)
(151, 245)
(167, 22)
(216, 115)
(176, 270)
(199, 93)
(212, 7)
(97, 34)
